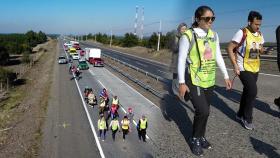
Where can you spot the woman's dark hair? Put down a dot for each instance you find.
(253, 14)
(199, 12)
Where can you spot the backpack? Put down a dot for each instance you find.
(235, 50)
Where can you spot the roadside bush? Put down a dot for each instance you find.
(26, 57)
(4, 55)
(6, 74)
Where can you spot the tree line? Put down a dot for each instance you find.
(19, 44)
(131, 40)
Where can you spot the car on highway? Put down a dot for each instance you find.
(83, 65)
(97, 62)
(72, 51)
(62, 60)
(75, 56)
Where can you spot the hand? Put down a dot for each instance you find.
(236, 70)
(228, 84)
(183, 88)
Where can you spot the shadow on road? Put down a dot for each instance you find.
(264, 148)
(234, 96)
(172, 109)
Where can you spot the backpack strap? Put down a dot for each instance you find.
(235, 50)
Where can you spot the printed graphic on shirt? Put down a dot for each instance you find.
(208, 51)
(254, 50)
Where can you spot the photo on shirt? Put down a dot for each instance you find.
(254, 51)
(208, 51)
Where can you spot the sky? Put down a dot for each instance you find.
(93, 16)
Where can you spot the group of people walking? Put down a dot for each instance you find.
(125, 126)
(199, 52)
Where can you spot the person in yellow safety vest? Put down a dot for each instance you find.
(142, 127)
(115, 101)
(244, 51)
(199, 51)
(115, 126)
(102, 126)
(125, 126)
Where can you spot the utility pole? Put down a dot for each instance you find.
(136, 20)
(111, 38)
(159, 35)
(142, 25)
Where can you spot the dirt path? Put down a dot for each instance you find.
(21, 134)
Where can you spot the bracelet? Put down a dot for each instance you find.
(181, 83)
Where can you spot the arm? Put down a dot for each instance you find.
(232, 56)
(221, 64)
(182, 58)
(230, 50)
(219, 59)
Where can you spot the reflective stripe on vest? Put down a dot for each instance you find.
(203, 75)
(115, 101)
(143, 124)
(252, 52)
(125, 124)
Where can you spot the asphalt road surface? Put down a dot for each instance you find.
(71, 130)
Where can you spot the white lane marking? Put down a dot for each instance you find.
(102, 84)
(134, 122)
(163, 72)
(90, 121)
(133, 89)
(265, 74)
(269, 75)
(92, 73)
(141, 64)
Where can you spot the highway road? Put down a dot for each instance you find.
(71, 125)
(153, 67)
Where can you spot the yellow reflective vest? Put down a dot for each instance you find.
(102, 124)
(143, 123)
(252, 51)
(202, 54)
(115, 101)
(125, 124)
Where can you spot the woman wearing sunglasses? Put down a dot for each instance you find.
(199, 51)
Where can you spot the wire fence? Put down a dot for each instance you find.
(7, 83)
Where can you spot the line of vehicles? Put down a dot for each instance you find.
(75, 52)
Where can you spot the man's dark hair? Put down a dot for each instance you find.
(254, 15)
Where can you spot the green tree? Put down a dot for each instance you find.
(130, 40)
(4, 55)
(153, 40)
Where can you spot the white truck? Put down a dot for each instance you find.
(93, 56)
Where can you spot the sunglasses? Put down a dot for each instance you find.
(207, 19)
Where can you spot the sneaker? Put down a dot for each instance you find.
(249, 126)
(196, 147)
(205, 144)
